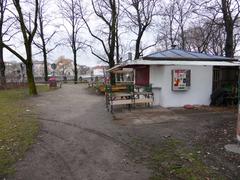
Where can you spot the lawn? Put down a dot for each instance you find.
(174, 160)
(17, 132)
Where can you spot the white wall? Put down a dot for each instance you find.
(198, 94)
(157, 80)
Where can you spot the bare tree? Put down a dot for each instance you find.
(28, 34)
(107, 12)
(64, 64)
(3, 5)
(169, 29)
(44, 21)
(217, 39)
(71, 12)
(140, 14)
(206, 36)
(196, 38)
(230, 10)
(184, 11)
(176, 15)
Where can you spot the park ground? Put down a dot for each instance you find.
(17, 132)
(79, 139)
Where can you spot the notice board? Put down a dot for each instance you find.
(181, 79)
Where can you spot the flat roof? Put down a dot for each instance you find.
(174, 63)
(183, 63)
(177, 54)
(179, 58)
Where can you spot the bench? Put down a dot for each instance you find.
(121, 102)
(128, 102)
(126, 98)
(132, 101)
(143, 101)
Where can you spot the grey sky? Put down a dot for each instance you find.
(84, 56)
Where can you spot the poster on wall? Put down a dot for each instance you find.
(181, 79)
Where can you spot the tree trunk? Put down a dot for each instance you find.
(45, 65)
(229, 26)
(117, 47)
(117, 44)
(183, 45)
(75, 67)
(137, 49)
(30, 78)
(229, 47)
(112, 75)
(138, 42)
(44, 50)
(112, 79)
(2, 69)
(2, 64)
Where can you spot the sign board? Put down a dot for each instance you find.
(53, 66)
(181, 79)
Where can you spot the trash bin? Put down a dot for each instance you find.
(52, 82)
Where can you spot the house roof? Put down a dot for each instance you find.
(180, 58)
(177, 54)
(180, 63)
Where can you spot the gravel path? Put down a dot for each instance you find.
(78, 140)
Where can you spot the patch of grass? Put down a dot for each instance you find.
(174, 160)
(43, 88)
(17, 132)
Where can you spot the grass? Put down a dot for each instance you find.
(17, 132)
(174, 160)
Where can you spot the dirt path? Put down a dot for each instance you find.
(78, 140)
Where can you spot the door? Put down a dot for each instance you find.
(142, 75)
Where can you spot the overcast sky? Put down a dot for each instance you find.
(84, 56)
